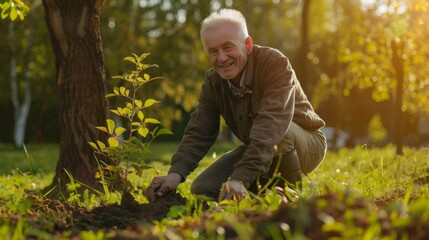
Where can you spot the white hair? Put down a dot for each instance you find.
(222, 16)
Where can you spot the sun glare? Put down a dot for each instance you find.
(384, 6)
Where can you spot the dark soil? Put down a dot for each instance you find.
(127, 214)
(127, 220)
(131, 220)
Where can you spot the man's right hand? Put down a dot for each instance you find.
(160, 186)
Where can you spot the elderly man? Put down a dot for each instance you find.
(256, 91)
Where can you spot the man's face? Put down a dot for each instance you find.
(227, 50)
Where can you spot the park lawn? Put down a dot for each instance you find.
(372, 173)
(36, 158)
(33, 166)
(356, 193)
(33, 158)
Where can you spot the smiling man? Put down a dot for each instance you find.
(256, 91)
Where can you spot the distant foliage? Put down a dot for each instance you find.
(14, 9)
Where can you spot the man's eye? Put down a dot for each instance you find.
(213, 52)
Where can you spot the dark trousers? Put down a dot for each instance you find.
(210, 181)
(302, 151)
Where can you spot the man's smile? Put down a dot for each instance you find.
(226, 65)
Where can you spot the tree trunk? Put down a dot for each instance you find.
(304, 49)
(74, 28)
(21, 109)
(398, 65)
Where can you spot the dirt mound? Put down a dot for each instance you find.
(126, 214)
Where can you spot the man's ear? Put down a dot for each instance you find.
(249, 44)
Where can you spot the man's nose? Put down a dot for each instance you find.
(222, 57)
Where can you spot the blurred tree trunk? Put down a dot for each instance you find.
(133, 10)
(398, 65)
(74, 28)
(304, 48)
(21, 108)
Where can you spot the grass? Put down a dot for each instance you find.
(371, 173)
(395, 186)
(42, 158)
(31, 158)
(32, 167)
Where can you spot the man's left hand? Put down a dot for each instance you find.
(232, 190)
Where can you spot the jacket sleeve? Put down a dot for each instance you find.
(200, 133)
(273, 117)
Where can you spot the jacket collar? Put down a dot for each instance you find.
(249, 68)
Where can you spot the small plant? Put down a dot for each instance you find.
(128, 146)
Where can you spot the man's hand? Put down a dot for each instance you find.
(232, 190)
(160, 186)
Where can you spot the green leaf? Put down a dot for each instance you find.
(112, 168)
(151, 120)
(104, 129)
(143, 131)
(123, 90)
(136, 124)
(149, 102)
(110, 95)
(126, 111)
(116, 112)
(119, 131)
(146, 76)
(164, 131)
(113, 142)
(21, 15)
(13, 14)
(73, 187)
(128, 78)
(110, 125)
(93, 145)
(143, 56)
(116, 91)
(4, 12)
(130, 59)
(120, 111)
(101, 145)
(140, 115)
(138, 103)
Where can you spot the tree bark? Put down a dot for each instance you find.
(304, 49)
(398, 65)
(74, 28)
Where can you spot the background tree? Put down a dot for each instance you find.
(303, 65)
(21, 108)
(33, 60)
(74, 27)
(17, 10)
(377, 50)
